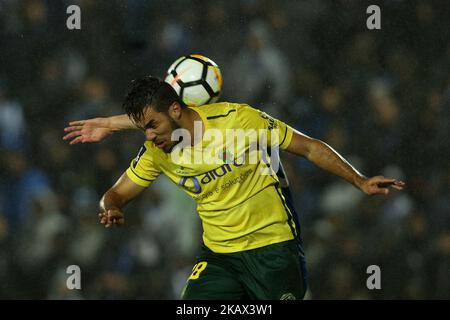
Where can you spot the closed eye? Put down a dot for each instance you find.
(150, 125)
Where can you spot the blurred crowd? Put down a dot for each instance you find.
(379, 97)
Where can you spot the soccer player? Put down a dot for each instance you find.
(250, 237)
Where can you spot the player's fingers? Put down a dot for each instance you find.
(109, 223)
(118, 220)
(383, 191)
(76, 140)
(71, 135)
(114, 214)
(73, 128)
(394, 184)
(77, 123)
(381, 179)
(384, 184)
(102, 217)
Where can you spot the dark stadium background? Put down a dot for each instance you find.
(380, 97)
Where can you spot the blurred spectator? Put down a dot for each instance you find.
(259, 74)
(21, 184)
(12, 122)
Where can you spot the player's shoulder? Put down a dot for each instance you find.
(222, 109)
(149, 145)
(151, 150)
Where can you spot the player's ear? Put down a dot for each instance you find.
(175, 111)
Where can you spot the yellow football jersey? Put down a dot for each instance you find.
(240, 207)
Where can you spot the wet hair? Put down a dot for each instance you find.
(149, 92)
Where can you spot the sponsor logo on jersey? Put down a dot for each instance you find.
(194, 183)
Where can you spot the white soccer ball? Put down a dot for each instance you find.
(196, 78)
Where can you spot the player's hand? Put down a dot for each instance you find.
(380, 185)
(111, 217)
(90, 130)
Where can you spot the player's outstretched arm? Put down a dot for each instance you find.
(115, 199)
(328, 159)
(96, 129)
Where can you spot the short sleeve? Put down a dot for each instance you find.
(251, 118)
(143, 169)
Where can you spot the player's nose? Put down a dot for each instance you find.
(150, 135)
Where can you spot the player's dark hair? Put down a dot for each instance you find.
(149, 92)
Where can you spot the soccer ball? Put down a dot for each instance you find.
(196, 78)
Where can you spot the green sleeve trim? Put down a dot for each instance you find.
(287, 137)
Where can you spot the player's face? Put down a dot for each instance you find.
(158, 127)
